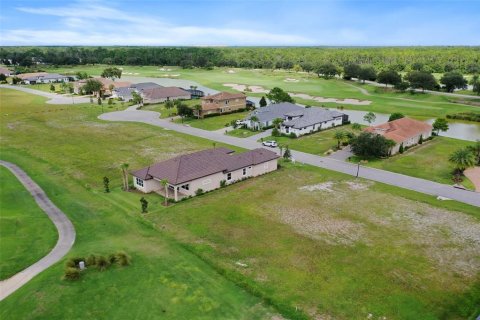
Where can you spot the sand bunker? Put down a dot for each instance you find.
(163, 69)
(260, 89)
(291, 80)
(231, 71)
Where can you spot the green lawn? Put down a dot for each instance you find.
(417, 105)
(242, 133)
(360, 248)
(21, 244)
(428, 161)
(214, 123)
(166, 113)
(317, 143)
(68, 153)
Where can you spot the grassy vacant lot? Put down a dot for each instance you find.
(242, 133)
(68, 153)
(414, 105)
(214, 123)
(317, 143)
(20, 220)
(358, 249)
(428, 161)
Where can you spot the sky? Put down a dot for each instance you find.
(240, 22)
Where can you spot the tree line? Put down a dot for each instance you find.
(432, 59)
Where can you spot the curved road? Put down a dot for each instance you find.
(54, 98)
(383, 176)
(66, 234)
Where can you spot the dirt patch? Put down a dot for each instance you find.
(355, 185)
(474, 175)
(325, 186)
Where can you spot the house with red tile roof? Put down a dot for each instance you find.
(222, 102)
(203, 170)
(404, 131)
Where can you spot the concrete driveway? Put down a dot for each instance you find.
(387, 177)
(66, 234)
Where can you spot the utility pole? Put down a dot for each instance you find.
(358, 169)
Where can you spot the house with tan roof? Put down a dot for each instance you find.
(203, 170)
(222, 102)
(162, 94)
(404, 131)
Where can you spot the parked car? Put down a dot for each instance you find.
(270, 143)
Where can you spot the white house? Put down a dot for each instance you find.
(42, 77)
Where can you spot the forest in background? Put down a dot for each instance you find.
(433, 59)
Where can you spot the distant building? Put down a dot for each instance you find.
(204, 170)
(42, 77)
(139, 87)
(222, 102)
(5, 71)
(106, 85)
(162, 94)
(195, 93)
(404, 131)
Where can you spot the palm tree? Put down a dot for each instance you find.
(462, 159)
(164, 183)
(356, 126)
(197, 108)
(124, 168)
(475, 149)
(339, 135)
(254, 119)
(277, 122)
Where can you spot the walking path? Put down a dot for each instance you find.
(54, 98)
(66, 234)
(387, 177)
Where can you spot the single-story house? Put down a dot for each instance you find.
(309, 120)
(267, 114)
(106, 83)
(162, 94)
(42, 77)
(5, 71)
(123, 93)
(203, 170)
(222, 102)
(404, 131)
(139, 87)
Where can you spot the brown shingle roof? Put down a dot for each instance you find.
(224, 96)
(401, 129)
(164, 92)
(5, 70)
(200, 164)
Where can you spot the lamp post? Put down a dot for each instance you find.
(358, 169)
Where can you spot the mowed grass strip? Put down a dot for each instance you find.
(26, 232)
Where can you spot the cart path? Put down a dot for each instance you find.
(66, 234)
(383, 176)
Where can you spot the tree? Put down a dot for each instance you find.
(339, 135)
(395, 116)
(112, 73)
(367, 73)
(453, 80)
(136, 98)
(164, 183)
(82, 75)
(106, 184)
(369, 117)
(184, 111)
(277, 122)
(462, 159)
(287, 155)
(387, 77)
(144, 204)
(99, 101)
(328, 70)
(401, 86)
(3, 77)
(356, 126)
(421, 79)
(440, 124)
(475, 82)
(92, 86)
(351, 70)
(417, 66)
(254, 120)
(16, 80)
(263, 102)
(124, 168)
(368, 144)
(52, 87)
(277, 95)
(198, 109)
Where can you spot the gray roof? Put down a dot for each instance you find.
(273, 111)
(50, 76)
(145, 85)
(311, 116)
(200, 164)
(124, 92)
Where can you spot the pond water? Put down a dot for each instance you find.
(457, 129)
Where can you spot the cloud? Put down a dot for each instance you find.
(91, 23)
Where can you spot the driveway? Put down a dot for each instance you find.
(387, 177)
(474, 175)
(66, 234)
(54, 98)
(342, 155)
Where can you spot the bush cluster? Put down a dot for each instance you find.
(72, 268)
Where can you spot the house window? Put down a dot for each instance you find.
(139, 182)
(227, 101)
(229, 176)
(186, 186)
(244, 171)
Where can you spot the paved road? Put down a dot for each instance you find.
(54, 98)
(66, 234)
(387, 177)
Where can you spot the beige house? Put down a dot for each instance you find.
(222, 102)
(162, 94)
(404, 131)
(203, 170)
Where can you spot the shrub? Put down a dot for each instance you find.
(401, 149)
(102, 263)
(112, 258)
(199, 192)
(71, 274)
(292, 135)
(123, 259)
(91, 260)
(420, 141)
(223, 183)
(70, 263)
(275, 132)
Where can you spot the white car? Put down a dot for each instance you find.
(270, 143)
